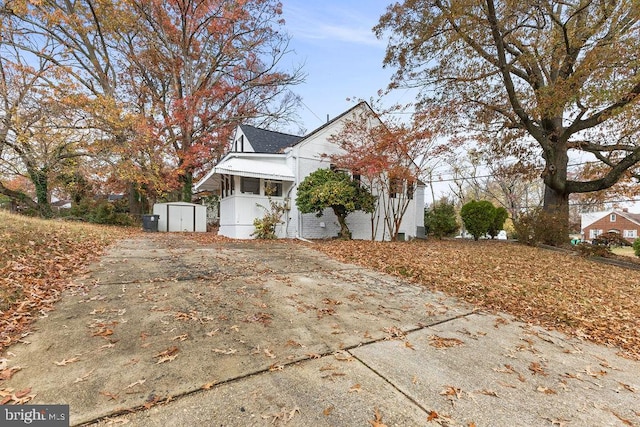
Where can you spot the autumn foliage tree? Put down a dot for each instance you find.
(79, 39)
(387, 157)
(37, 140)
(201, 67)
(326, 188)
(158, 85)
(544, 78)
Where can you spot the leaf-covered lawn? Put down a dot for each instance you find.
(38, 259)
(553, 289)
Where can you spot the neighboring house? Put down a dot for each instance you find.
(263, 161)
(61, 204)
(619, 221)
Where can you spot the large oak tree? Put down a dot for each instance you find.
(535, 78)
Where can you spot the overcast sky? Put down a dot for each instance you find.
(341, 55)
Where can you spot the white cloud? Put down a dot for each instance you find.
(332, 23)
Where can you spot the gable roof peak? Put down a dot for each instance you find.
(268, 141)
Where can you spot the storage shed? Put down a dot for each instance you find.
(181, 216)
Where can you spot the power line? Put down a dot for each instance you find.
(311, 111)
(468, 178)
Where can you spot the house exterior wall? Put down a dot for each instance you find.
(307, 157)
(241, 142)
(238, 211)
(304, 159)
(627, 228)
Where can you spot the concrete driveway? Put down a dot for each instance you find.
(167, 331)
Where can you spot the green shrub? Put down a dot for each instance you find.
(100, 212)
(636, 246)
(440, 220)
(499, 218)
(326, 188)
(477, 217)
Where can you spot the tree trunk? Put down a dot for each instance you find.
(41, 183)
(555, 222)
(342, 220)
(187, 186)
(556, 217)
(135, 201)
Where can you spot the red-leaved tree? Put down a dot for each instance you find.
(389, 157)
(200, 67)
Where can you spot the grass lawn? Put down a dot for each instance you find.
(554, 289)
(624, 251)
(37, 260)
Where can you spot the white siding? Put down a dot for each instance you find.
(306, 158)
(238, 211)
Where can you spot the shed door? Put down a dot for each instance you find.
(181, 218)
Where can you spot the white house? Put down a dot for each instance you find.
(262, 159)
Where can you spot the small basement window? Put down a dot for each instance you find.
(249, 185)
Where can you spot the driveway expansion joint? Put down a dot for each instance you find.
(172, 398)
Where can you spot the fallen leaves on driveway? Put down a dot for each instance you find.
(37, 260)
(10, 397)
(65, 362)
(442, 342)
(168, 355)
(283, 416)
(553, 289)
(377, 420)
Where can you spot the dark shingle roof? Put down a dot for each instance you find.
(267, 141)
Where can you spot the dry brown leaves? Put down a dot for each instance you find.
(37, 260)
(553, 289)
(442, 342)
(167, 355)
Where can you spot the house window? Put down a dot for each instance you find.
(612, 217)
(249, 185)
(238, 144)
(411, 188)
(273, 188)
(395, 187)
(593, 233)
(631, 234)
(227, 185)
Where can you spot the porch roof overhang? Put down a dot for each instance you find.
(252, 168)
